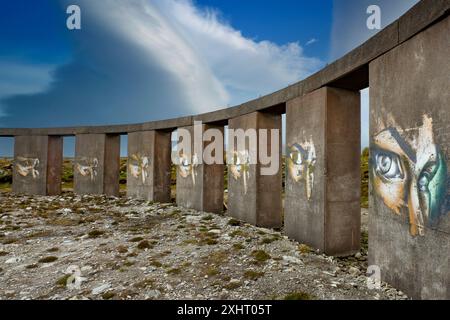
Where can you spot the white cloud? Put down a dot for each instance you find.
(143, 60)
(311, 41)
(212, 61)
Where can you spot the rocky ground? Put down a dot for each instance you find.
(72, 247)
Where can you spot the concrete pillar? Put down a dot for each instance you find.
(200, 186)
(409, 219)
(37, 166)
(97, 164)
(149, 165)
(322, 204)
(252, 196)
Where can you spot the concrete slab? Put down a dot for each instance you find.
(200, 185)
(322, 203)
(149, 165)
(97, 164)
(37, 166)
(409, 220)
(253, 197)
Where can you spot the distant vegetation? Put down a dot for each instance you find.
(67, 178)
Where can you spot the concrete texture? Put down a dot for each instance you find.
(409, 221)
(258, 200)
(149, 164)
(97, 164)
(37, 165)
(203, 191)
(322, 207)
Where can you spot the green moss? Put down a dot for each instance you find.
(95, 234)
(54, 249)
(234, 222)
(108, 295)
(62, 282)
(32, 266)
(208, 218)
(144, 244)
(268, 240)
(136, 239)
(232, 285)
(49, 259)
(303, 248)
(174, 271)
(260, 256)
(238, 246)
(253, 275)
(211, 271)
(156, 263)
(298, 296)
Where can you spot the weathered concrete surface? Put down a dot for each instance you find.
(37, 165)
(253, 197)
(97, 164)
(148, 172)
(322, 206)
(409, 221)
(200, 186)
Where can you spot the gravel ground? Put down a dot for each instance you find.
(95, 247)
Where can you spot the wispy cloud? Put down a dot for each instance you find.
(311, 41)
(139, 60)
(18, 78)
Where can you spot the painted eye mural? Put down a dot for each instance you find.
(409, 171)
(87, 167)
(139, 167)
(187, 167)
(301, 164)
(27, 167)
(240, 167)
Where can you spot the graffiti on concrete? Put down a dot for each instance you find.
(139, 167)
(27, 167)
(239, 167)
(301, 164)
(409, 171)
(87, 167)
(187, 167)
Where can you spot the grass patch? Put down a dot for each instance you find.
(49, 259)
(253, 275)
(136, 239)
(95, 234)
(32, 266)
(234, 222)
(260, 256)
(108, 295)
(174, 271)
(298, 296)
(144, 244)
(3, 253)
(211, 271)
(54, 249)
(147, 282)
(62, 282)
(303, 249)
(268, 240)
(238, 246)
(232, 285)
(156, 263)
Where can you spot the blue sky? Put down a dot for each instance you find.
(142, 60)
